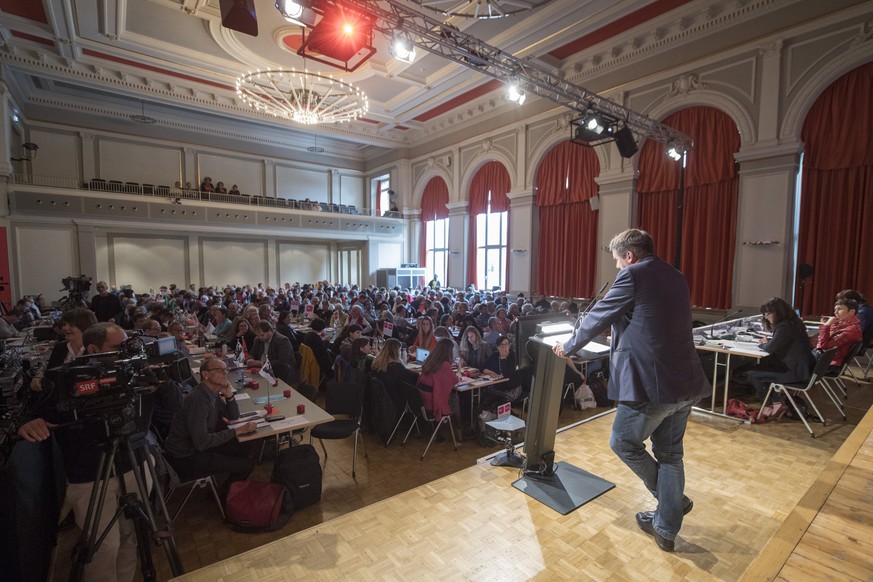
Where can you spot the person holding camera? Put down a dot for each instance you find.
(80, 444)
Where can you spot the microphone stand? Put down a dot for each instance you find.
(589, 306)
(727, 316)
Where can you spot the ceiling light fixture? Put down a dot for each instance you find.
(301, 96)
(481, 8)
(142, 117)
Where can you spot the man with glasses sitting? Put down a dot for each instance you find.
(196, 446)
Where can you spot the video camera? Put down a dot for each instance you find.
(80, 284)
(109, 386)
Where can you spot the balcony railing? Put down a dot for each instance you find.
(160, 191)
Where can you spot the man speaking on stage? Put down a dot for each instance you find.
(656, 375)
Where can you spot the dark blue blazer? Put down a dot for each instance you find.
(652, 356)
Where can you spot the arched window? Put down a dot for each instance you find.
(487, 258)
(706, 253)
(434, 241)
(836, 202)
(567, 255)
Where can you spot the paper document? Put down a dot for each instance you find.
(288, 423)
(596, 347)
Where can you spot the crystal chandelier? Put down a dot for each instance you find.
(301, 96)
(481, 8)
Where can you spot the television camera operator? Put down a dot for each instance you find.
(81, 443)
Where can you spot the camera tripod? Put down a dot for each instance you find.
(131, 505)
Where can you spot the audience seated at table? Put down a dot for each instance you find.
(501, 363)
(437, 384)
(359, 353)
(474, 351)
(277, 349)
(424, 338)
(392, 371)
(865, 312)
(789, 353)
(283, 326)
(195, 446)
(842, 331)
(316, 342)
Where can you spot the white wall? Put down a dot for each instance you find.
(147, 262)
(43, 255)
(233, 262)
(247, 174)
(138, 162)
(58, 155)
(299, 184)
(304, 263)
(351, 191)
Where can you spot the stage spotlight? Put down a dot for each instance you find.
(402, 49)
(515, 93)
(239, 15)
(297, 13)
(674, 153)
(595, 125)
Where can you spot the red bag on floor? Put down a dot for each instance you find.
(258, 506)
(739, 409)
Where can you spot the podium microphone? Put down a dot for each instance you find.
(589, 306)
(727, 316)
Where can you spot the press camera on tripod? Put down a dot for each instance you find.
(109, 388)
(77, 292)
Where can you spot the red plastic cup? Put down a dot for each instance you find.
(301, 408)
(286, 394)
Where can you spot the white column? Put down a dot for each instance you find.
(190, 164)
(771, 75)
(523, 215)
(270, 179)
(195, 273)
(6, 133)
(457, 274)
(765, 212)
(401, 183)
(333, 195)
(87, 242)
(617, 212)
(89, 155)
(412, 233)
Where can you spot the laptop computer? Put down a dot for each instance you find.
(421, 355)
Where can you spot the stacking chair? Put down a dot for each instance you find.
(837, 377)
(866, 344)
(416, 402)
(821, 366)
(410, 393)
(201, 483)
(347, 400)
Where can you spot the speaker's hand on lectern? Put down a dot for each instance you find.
(559, 350)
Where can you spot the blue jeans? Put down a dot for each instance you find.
(664, 474)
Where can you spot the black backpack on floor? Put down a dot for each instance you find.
(299, 469)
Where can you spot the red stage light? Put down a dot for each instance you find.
(344, 37)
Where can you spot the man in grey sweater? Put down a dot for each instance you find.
(194, 446)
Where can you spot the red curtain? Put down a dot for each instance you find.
(567, 255)
(492, 177)
(433, 207)
(836, 206)
(710, 202)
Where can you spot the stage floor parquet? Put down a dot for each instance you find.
(473, 525)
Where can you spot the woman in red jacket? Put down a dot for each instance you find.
(437, 384)
(842, 331)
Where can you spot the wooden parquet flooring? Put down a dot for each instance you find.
(451, 517)
(473, 525)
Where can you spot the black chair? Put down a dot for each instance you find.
(410, 392)
(98, 184)
(132, 187)
(416, 403)
(148, 189)
(116, 186)
(346, 400)
(821, 366)
(866, 344)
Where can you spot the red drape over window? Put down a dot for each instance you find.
(433, 207)
(710, 214)
(836, 205)
(491, 177)
(567, 255)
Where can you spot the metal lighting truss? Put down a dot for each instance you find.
(392, 17)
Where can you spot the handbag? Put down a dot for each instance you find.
(584, 397)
